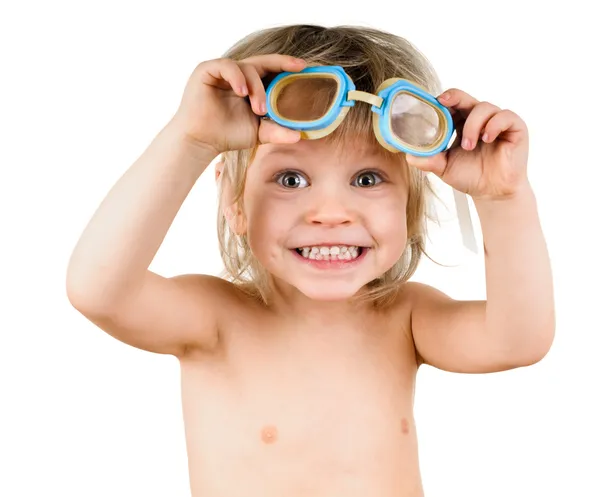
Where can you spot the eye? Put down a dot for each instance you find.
(291, 179)
(367, 179)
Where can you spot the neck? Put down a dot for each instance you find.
(288, 302)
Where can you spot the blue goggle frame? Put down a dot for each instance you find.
(347, 96)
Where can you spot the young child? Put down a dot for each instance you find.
(298, 370)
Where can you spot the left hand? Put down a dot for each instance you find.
(490, 161)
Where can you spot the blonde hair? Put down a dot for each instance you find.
(369, 56)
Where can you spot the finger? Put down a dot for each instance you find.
(476, 122)
(256, 89)
(459, 100)
(275, 63)
(271, 132)
(506, 122)
(226, 70)
(435, 164)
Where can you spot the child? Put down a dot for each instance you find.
(298, 370)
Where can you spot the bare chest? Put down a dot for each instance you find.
(330, 400)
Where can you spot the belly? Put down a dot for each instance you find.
(281, 430)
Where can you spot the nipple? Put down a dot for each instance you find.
(269, 434)
(404, 426)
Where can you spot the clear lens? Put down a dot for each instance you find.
(414, 121)
(306, 98)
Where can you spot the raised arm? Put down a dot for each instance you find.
(515, 325)
(108, 279)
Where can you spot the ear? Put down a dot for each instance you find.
(219, 169)
(235, 219)
(231, 210)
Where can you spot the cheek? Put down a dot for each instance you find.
(388, 218)
(387, 226)
(266, 230)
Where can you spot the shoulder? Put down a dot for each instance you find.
(216, 289)
(422, 296)
(226, 299)
(412, 295)
(197, 282)
(412, 301)
(233, 307)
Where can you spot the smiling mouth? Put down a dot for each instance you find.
(332, 253)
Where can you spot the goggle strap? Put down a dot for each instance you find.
(363, 96)
(464, 221)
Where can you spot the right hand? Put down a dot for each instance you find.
(214, 113)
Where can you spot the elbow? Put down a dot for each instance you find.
(545, 343)
(95, 295)
(534, 345)
(83, 299)
(87, 297)
(78, 297)
(525, 340)
(544, 337)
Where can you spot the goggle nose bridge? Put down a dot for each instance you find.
(363, 96)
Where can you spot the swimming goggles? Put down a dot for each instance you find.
(406, 118)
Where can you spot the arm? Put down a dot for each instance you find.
(108, 280)
(515, 326)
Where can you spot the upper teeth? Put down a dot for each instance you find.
(327, 253)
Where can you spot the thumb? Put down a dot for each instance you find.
(435, 164)
(271, 132)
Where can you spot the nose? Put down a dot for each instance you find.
(330, 209)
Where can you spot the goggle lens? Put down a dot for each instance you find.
(306, 99)
(415, 122)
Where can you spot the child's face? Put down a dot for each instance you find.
(313, 194)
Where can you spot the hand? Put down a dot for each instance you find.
(214, 112)
(490, 161)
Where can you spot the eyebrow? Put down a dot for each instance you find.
(282, 151)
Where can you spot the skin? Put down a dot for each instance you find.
(311, 395)
(327, 207)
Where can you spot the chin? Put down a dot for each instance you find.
(324, 292)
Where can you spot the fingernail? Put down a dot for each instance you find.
(263, 107)
(466, 143)
(444, 96)
(243, 90)
(485, 137)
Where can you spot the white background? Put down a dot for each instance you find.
(85, 86)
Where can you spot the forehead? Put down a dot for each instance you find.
(351, 150)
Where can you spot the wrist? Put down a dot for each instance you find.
(522, 198)
(514, 217)
(200, 152)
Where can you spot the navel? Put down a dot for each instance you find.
(404, 426)
(269, 434)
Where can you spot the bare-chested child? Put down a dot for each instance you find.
(298, 369)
